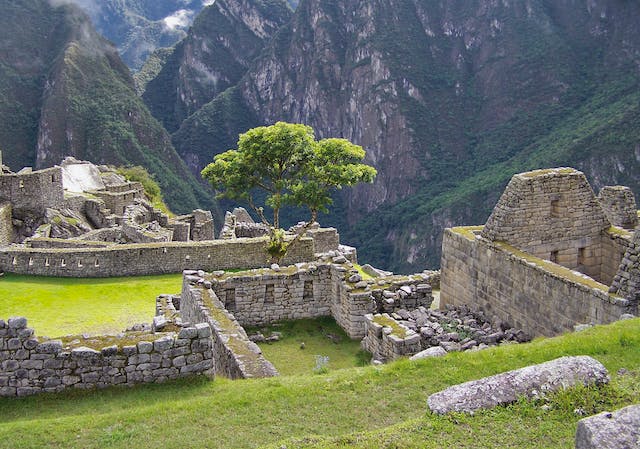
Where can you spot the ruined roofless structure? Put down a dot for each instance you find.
(549, 257)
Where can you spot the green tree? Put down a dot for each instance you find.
(287, 163)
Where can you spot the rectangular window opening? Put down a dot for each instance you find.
(554, 256)
(268, 294)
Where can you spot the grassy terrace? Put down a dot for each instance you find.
(63, 306)
(370, 407)
(321, 337)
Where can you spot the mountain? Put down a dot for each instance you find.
(65, 91)
(138, 27)
(223, 41)
(449, 98)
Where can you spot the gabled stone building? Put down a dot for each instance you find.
(548, 257)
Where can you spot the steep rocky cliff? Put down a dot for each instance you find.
(138, 27)
(449, 98)
(224, 40)
(64, 91)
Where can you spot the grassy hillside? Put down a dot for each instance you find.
(63, 306)
(385, 406)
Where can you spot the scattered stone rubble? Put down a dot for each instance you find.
(414, 333)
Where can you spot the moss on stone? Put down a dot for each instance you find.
(467, 231)
(556, 269)
(547, 171)
(616, 230)
(396, 329)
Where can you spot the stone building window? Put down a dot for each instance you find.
(53, 178)
(80, 264)
(46, 262)
(554, 256)
(268, 294)
(63, 263)
(308, 291)
(97, 263)
(30, 261)
(555, 208)
(14, 261)
(21, 184)
(581, 256)
(230, 299)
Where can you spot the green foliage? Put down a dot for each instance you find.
(286, 162)
(137, 173)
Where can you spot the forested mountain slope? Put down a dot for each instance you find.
(65, 91)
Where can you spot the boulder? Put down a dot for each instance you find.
(531, 381)
(610, 430)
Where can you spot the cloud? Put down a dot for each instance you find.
(179, 19)
(208, 2)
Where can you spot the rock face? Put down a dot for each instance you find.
(225, 38)
(607, 430)
(445, 96)
(531, 381)
(64, 91)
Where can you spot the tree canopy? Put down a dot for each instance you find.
(285, 161)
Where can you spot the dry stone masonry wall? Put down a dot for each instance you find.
(29, 365)
(552, 214)
(145, 259)
(619, 205)
(6, 225)
(234, 355)
(547, 250)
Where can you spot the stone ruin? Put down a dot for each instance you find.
(550, 249)
(79, 201)
(545, 251)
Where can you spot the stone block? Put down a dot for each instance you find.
(84, 353)
(188, 333)
(109, 351)
(435, 351)
(163, 344)
(528, 382)
(17, 323)
(50, 347)
(204, 330)
(610, 430)
(145, 347)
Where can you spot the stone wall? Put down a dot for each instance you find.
(117, 198)
(6, 225)
(145, 259)
(267, 296)
(527, 292)
(235, 356)
(317, 289)
(552, 214)
(33, 191)
(387, 340)
(626, 282)
(29, 365)
(615, 243)
(619, 205)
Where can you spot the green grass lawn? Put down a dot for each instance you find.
(371, 407)
(321, 337)
(63, 306)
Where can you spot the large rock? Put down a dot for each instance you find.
(530, 381)
(617, 430)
